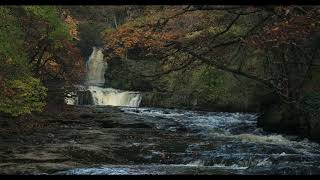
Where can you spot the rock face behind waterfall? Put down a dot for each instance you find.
(85, 98)
(96, 68)
(94, 92)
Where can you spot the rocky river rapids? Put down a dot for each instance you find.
(105, 140)
(103, 131)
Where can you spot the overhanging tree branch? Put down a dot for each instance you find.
(224, 68)
(157, 76)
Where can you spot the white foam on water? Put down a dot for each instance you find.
(114, 97)
(274, 139)
(96, 68)
(264, 162)
(283, 154)
(103, 171)
(70, 100)
(204, 121)
(234, 166)
(218, 124)
(301, 147)
(152, 112)
(196, 163)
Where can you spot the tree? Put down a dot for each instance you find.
(20, 92)
(51, 46)
(234, 39)
(37, 48)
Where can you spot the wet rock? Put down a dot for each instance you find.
(166, 112)
(109, 124)
(84, 98)
(86, 116)
(50, 135)
(192, 144)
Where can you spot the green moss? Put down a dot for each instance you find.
(28, 95)
(20, 91)
(311, 104)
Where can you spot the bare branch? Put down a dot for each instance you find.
(157, 76)
(224, 68)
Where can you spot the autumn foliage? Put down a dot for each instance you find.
(128, 37)
(294, 29)
(37, 48)
(152, 31)
(65, 64)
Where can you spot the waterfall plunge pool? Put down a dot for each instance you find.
(93, 91)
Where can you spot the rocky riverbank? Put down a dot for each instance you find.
(113, 140)
(76, 137)
(90, 137)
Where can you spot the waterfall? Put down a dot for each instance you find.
(96, 68)
(114, 97)
(94, 93)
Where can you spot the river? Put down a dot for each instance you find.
(189, 142)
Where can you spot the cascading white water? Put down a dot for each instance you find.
(96, 68)
(114, 97)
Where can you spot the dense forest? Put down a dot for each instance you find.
(230, 58)
(262, 59)
(37, 48)
(259, 59)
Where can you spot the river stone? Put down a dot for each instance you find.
(85, 98)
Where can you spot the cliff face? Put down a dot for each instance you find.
(274, 115)
(282, 118)
(196, 87)
(290, 118)
(92, 22)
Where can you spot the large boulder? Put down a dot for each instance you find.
(85, 98)
(287, 119)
